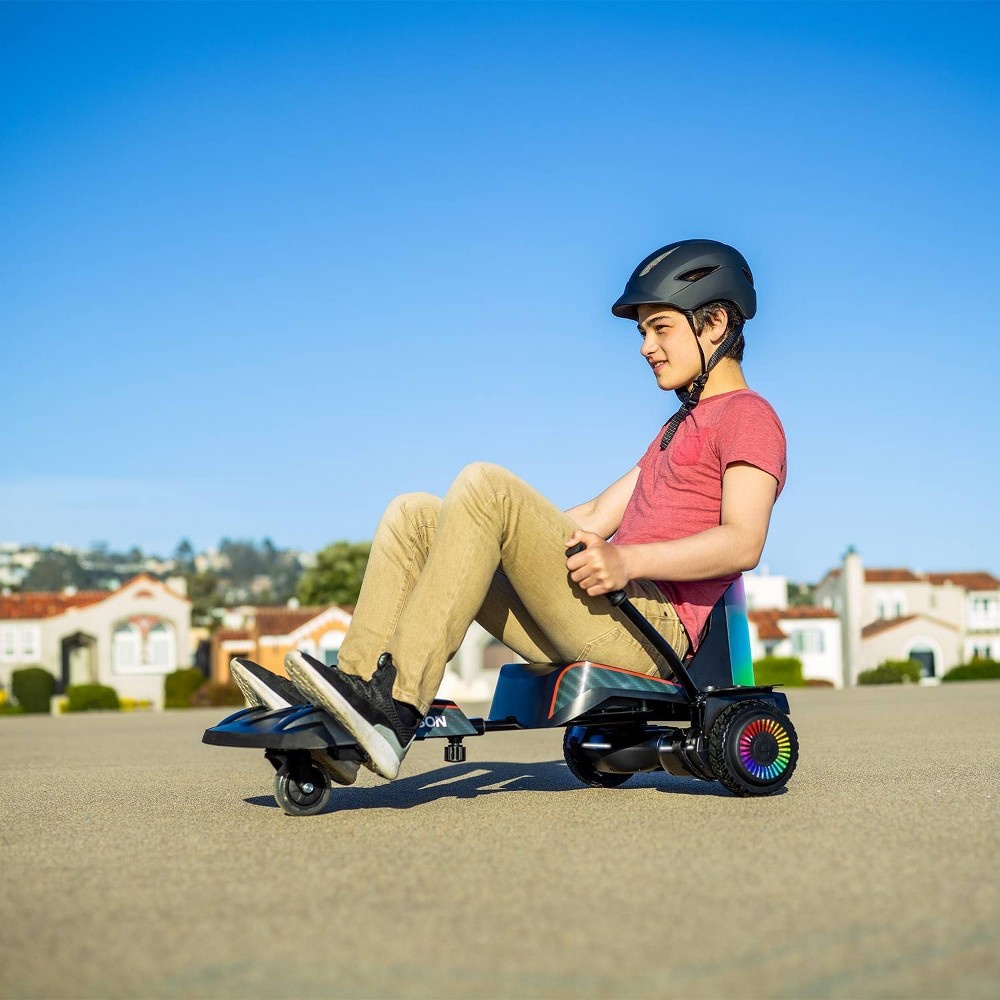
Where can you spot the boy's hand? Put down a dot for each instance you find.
(600, 568)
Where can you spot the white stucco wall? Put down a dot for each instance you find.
(765, 591)
(897, 644)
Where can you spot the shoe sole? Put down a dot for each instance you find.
(384, 759)
(255, 690)
(257, 693)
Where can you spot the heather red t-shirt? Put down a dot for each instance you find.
(679, 491)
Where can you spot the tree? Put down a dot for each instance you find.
(184, 556)
(801, 595)
(202, 591)
(336, 577)
(245, 562)
(55, 571)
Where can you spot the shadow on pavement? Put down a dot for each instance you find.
(472, 779)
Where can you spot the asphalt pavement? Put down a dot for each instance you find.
(138, 862)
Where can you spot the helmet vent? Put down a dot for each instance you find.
(701, 272)
(656, 260)
(748, 275)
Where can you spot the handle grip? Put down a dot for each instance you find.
(616, 596)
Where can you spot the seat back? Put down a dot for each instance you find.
(723, 659)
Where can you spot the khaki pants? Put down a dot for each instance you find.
(493, 550)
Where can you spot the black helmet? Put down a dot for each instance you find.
(686, 275)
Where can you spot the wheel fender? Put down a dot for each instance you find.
(716, 703)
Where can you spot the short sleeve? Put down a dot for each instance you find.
(751, 432)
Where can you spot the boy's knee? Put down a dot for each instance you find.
(480, 473)
(416, 507)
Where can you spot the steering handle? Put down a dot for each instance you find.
(616, 596)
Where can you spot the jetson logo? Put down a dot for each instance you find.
(434, 722)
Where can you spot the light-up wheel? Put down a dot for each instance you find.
(753, 748)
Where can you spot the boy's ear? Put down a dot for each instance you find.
(716, 327)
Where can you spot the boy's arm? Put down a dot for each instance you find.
(603, 515)
(735, 545)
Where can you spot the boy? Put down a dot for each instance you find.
(682, 525)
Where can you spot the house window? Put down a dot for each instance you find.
(898, 603)
(159, 646)
(126, 646)
(980, 652)
(808, 640)
(8, 644)
(881, 604)
(329, 646)
(29, 644)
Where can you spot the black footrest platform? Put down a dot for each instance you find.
(302, 727)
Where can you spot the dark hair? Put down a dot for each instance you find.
(699, 317)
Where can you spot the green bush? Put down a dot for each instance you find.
(977, 670)
(9, 709)
(91, 697)
(180, 686)
(214, 695)
(33, 688)
(783, 670)
(892, 672)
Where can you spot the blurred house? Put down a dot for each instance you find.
(938, 619)
(16, 562)
(811, 634)
(128, 638)
(266, 634)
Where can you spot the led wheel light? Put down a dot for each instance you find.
(764, 748)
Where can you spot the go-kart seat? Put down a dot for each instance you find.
(529, 691)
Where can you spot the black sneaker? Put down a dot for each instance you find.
(263, 687)
(266, 689)
(366, 709)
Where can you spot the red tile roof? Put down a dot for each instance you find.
(41, 604)
(45, 604)
(768, 620)
(977, 580)
(891, 576)
(885, 624)
(970, 581)
(282, 621)
(807, 611)
(767, 624)
(232, 633)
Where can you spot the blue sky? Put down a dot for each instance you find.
(262, 267)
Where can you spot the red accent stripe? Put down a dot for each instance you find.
(603, 666)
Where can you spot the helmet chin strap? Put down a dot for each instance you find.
(689, 397)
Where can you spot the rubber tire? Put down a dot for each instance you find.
(289, 795)
(581, 767)
(723, 752)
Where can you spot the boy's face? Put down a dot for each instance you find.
(668, 345)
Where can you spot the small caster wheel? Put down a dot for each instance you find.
(305, 793)
(753, 748)
(580, 761)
